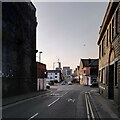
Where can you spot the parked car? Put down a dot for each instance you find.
(69, 83)
(47, 86)
(94, 84)
(63, 83)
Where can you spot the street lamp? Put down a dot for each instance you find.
(40, 56)
(53, 65)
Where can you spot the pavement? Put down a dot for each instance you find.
(104, 108)
(14, 99)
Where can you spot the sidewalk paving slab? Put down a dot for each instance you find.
(105, 108)
(14, 99)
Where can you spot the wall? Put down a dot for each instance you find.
(18, 48)
(41, 70)
(112, 55)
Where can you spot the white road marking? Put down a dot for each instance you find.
(58, 94)
(53, 102)
(91, 108)
(33, 116)
(54, 94)
(65, 93)
(71, 100)
(88, 114)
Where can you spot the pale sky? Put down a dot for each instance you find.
(68, 31)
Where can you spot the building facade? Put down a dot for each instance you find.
(19, 71)
(76, 76)
(67, 73)
(41, 70)
(109, 53)
(41, 76)
(88, 71)
(54, 75)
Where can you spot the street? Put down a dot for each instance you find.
(60, 60)
(67, 101)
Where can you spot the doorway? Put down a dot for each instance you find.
(111, 82)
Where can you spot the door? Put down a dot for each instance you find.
(111, 82)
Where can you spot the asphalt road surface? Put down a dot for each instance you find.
(67, 101)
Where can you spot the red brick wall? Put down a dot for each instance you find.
(41, 69)
(87, 71)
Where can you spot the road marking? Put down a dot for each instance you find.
(65, 93)
(88, 114)
(54, 94)
(58, 94)
(71, 100)
(53, 102)
(89, 107)
(33, 116)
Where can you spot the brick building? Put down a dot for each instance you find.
(41, 70)
(88, 71)
(18, 48)
(76, 72)
(41, 76)
(109, 53)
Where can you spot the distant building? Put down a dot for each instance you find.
(88, 71)
(59, 66)
(76, 71)
(67, 72)
(41, 76)
(76, 76)
(109, 53)
(54, 75)
(19, 71)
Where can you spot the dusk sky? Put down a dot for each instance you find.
(68, 31)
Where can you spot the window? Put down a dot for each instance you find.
(116, 79)
(99, 76)
(55, 73)
(107, 77)
(110, 33)
(103, 47)
(116, 23)
(104, 76)
(55, 76)
(107, 39)
(113, 28)
(100, 51)
(50, 77)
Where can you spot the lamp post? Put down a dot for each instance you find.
(40, 56)
(53, 65)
